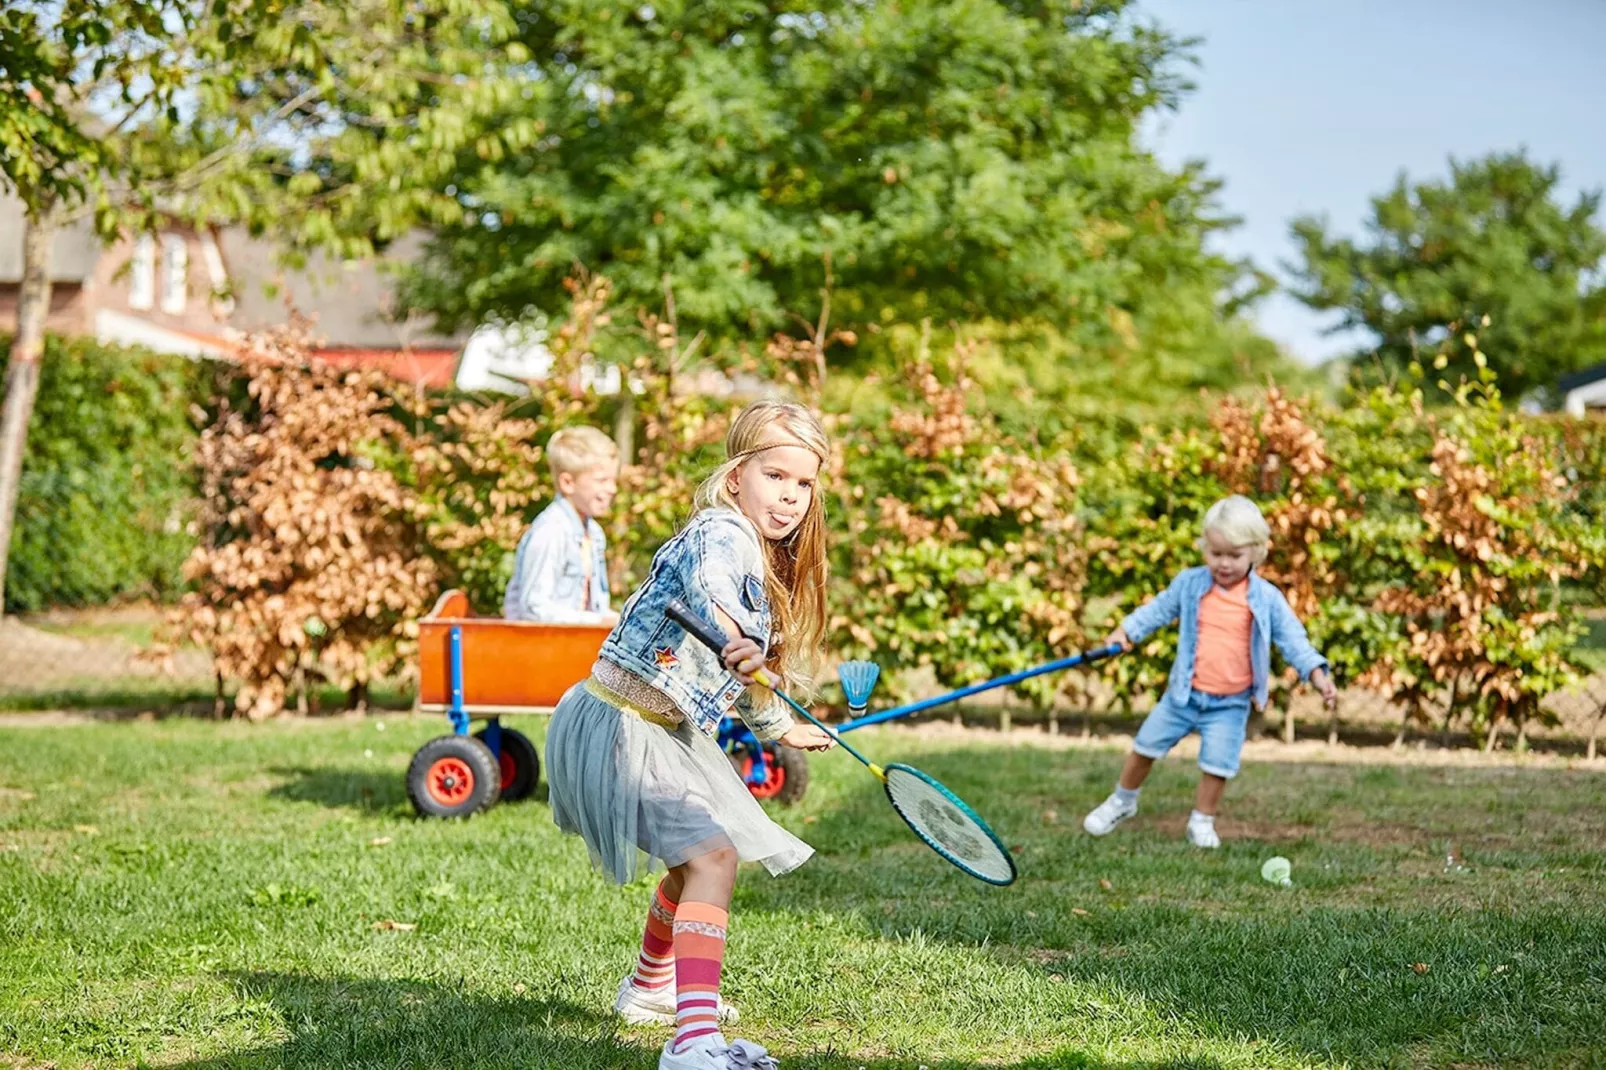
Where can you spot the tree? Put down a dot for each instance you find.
(321, 121)
(954, 159)
(1491, 261)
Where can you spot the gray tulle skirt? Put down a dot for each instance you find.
(640, 794)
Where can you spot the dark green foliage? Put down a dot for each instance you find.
(106, 481)
(1491, 261)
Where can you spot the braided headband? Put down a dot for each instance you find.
(775, 445)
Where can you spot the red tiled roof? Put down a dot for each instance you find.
(433, 368)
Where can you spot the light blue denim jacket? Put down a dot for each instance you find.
(1274, 622)
(715, 560)
(549, 570)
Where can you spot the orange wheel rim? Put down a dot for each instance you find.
(449, 781)
(509, 768)
(774, 778)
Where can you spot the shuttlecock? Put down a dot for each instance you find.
(858, 680)
(1276, 871)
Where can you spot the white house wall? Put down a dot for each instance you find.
(1589, 396)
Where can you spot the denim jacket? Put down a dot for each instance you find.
(1274, 622)
(549, 570)
(716, 560)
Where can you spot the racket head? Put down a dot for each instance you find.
(946, 824)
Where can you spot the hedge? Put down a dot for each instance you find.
(103, 507)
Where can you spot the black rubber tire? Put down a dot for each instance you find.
(796, 764)
(453, 776)
(516, 746)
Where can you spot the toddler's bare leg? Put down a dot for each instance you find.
(1209, 794)
(1136, 771)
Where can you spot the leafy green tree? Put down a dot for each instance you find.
(327, 123)
(950, 159)
(1491, 261)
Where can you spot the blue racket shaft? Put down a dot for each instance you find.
(1084, 658)
(715, 640)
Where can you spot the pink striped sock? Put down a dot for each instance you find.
(699, 954)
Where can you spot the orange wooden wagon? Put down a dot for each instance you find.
(470, 667)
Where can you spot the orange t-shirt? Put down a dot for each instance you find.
(1221, 663)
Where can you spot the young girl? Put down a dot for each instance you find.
(1230, 617)
(632, 758)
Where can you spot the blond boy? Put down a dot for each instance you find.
(560, 574)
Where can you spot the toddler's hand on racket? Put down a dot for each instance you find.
(1118, 638)
(806, 737)
(743, 657)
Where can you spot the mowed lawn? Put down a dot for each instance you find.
(192, 894)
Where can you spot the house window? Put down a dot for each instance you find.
(142, 273)
(175, 274)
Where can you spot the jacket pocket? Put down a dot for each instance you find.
(753, 596)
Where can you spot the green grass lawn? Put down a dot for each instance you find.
(198, 895)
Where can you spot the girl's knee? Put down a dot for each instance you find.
(718, 860)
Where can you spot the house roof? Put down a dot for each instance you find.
(72, 255)
(1584, 377)
(433, 368)
(351, 303)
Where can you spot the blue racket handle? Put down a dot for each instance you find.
(714, 639)
(987, 685)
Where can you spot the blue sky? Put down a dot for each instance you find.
(1312, 107)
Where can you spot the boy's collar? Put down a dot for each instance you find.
(583, 521)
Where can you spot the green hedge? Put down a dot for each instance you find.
(107, 479)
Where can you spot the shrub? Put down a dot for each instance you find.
(106, 495)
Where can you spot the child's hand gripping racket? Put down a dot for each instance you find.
(937, 815)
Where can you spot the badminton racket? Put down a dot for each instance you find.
(941, 819)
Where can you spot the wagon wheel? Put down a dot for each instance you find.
(453, 776)
(519, 763)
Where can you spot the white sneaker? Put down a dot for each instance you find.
(714, 1053)
(1202, 835)
(1108, 814)
(639, 1006)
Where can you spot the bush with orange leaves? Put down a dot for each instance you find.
(310, 565)
(335, 507)
(1424, 549)
(1481, 607)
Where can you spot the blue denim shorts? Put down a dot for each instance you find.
(1220, 721)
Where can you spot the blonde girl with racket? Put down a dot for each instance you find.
(632, 756)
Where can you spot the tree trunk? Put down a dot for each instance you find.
(22, 374)
(1494, 734)
(624, 423)
(1451, 702)
(1399, 737)
(1288, 723)
(1594, 730)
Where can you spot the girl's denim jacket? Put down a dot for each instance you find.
(716, 560)
(1274, 622)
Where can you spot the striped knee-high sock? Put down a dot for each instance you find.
(699, 953)
(655, 966)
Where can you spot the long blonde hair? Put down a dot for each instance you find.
(795, 568)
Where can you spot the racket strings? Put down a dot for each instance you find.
(949, 826)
